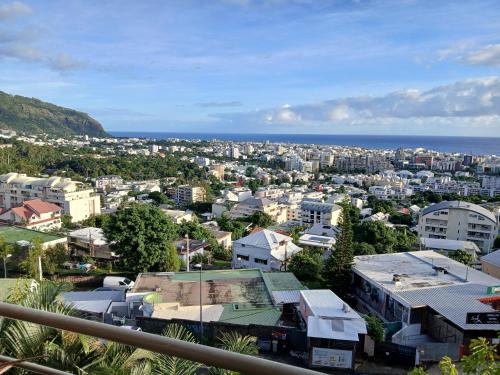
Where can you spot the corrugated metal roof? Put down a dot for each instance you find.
(492, 258)
(453, 303)
(285, 296)
(113, 295)
(99, 307)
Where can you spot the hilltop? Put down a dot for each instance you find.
(31, 115)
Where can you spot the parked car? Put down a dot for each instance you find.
(117, 282)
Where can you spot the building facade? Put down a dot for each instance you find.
(187, 194)
(313, 212)
(457, 220)
(76, 199)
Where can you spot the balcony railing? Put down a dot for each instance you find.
(164, 345)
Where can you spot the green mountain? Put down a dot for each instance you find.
(30, 115)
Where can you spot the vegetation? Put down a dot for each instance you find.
(261, 219)
(307, 265)
(375, 327)
(337, 271)
(141, 235)
(462, 256)
(34, 116)
(480, 361)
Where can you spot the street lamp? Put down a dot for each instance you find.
(200, 266)
(187, 252)
(5, 265)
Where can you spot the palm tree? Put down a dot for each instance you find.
(58, 349)
(167, 364)
(234, 342)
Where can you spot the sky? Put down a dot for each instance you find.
(261, 66)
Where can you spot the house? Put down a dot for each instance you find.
(75, 198)
(178, 216)
(34, 214)
(195, 247)
(314, 212)
(457, 220)
(265, 249)
(490, 264)
(90, 241)
(250, 206)
(429, 297)
(333, 329)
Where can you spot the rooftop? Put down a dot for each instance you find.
(14, 234)
(459, 205)
(445, 244)
(492, 258)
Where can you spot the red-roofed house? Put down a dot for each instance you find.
(34, 214)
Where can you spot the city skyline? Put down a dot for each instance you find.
(346, 67)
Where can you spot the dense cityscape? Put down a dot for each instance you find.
(249, 187)
(327, 257)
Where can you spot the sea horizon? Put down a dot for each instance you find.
(443, 143)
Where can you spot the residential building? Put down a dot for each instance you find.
(178, 216)
(187, 194)
(430, 297)
(108, 182)
(490, 264)
(76, 199)
(448, 247)
(250, 206)
(90, 241)
(265, 249)
(333, 329)
(457, 220)
(34, 214)
(314, 212)
(218, 171)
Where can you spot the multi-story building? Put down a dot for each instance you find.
(111, 181)
(218, 171)
(75, 198)
(490, 182)
(250, 206)
(186, 194)
(313, 212)
(457, 220)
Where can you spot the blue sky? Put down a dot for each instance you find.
(268, 66)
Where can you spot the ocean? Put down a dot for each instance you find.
(467, 145)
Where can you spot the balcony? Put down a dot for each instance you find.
(207, 355)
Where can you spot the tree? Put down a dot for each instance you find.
(54, 257)
(5, 252)
(167, 364)
(141, 235)
(375, 327)
(496, 243)
(261, 219)
(97, 221)
(480, 361)
(306, 265)
(159, 198)
(30, 264)
(338, 266)
(234, 342)
(363, 248)
(462, 256)
(172, 261)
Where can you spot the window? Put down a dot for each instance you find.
(261, 261)
(243, 257)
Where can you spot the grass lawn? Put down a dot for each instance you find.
(13, 234)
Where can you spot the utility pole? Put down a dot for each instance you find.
(187, 252)
(40, 267)
(201, 305)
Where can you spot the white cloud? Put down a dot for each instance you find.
(13, 9)
(471, 101)
(488, 55)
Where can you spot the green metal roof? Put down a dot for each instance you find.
(246, 314)
(13, 234)
(281, 281)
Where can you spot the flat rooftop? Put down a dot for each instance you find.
(416, 270)
(13, 234)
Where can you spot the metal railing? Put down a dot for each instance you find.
(33, 367)
(160, 344)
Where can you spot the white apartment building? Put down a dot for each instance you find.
(457, 220)
(490, 182)
(313, 212)
(186, 194)
(111, 181)
(252, 205)
(76, 199)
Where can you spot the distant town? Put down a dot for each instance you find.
(326, 257)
